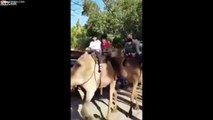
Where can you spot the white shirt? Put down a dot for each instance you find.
(91, 45)
(95, 45)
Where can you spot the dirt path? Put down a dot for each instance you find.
(100, 106)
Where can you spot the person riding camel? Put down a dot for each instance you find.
(131, 48)
(105, 45)
(95, 46)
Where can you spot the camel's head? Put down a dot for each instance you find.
(82, 69)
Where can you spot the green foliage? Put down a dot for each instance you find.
(79, 39)
(89, 7)
(118, 42)
(119, 18)
(104, 35)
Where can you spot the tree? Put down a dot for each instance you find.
(119, 18)
(89, 7)
(79, 39)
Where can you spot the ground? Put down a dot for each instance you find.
(100, 105)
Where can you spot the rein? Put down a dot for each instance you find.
(93, 73)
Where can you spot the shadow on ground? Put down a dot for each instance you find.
(77, 101)
(74, 106)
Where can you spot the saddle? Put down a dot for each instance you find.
(136, 57)
(98, 58)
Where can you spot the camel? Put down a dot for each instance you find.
(131, 71)
(85, 75)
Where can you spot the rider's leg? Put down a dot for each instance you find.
(99, 59)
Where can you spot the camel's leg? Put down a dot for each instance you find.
(138, 93)
(135, 84)
(85, 108)
(115, 96)
(136, 99)
(114, 101)
(111, 98)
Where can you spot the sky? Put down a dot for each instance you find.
(77, 14)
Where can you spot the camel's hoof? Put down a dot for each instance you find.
(129, 115)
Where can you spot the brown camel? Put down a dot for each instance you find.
(131, 71)
(85, 75)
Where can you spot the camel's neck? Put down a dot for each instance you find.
(117, 64)
(120, 69)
